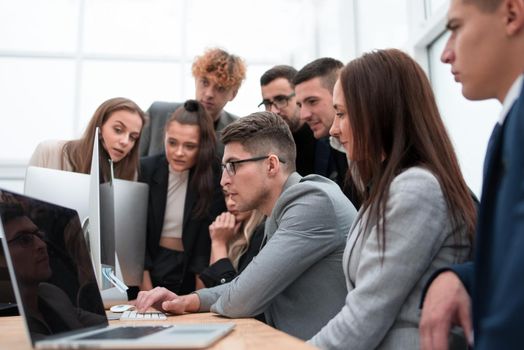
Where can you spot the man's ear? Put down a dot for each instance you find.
(514, 16)
(273, 165)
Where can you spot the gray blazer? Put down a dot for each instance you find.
(382, 305)
(297, 278)
(152, 137)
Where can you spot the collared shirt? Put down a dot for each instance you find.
(511, 97)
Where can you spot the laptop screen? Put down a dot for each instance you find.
(46, 253)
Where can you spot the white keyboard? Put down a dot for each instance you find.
(143, 316)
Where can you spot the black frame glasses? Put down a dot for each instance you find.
(280, 101)
(230, 167)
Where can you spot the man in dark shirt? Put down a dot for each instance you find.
(278, 96)
(314, 95)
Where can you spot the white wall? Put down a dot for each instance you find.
(469, 123)
(59, 59)
(418, 27)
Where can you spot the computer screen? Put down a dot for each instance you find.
(131, 199)
(101, 227)
(64, 188)
(124, 201)
(45, 253)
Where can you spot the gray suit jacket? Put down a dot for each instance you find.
(382, 305)
(152, 137)
(297, 278)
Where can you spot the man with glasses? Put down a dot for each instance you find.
(278, 96)
(314, 93)
(218, 76)
(296, 280)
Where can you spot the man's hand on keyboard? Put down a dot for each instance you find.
(163, 299)
(182, 304)
(153, 298)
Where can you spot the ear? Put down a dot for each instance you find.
(273, 165)
(514, 16)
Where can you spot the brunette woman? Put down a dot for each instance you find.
(417, 214)
(184, 198)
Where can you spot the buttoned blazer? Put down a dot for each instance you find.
(381, 309)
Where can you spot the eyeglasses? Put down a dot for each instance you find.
(280, 101)
(27, 239)
(230, 166)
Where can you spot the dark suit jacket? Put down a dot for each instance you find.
(306, 144)
(495, 279)
(152, 137)
(222, 271)
(195, 233)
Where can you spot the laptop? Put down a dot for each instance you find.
(52, 277)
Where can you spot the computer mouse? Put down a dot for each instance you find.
(121, 308)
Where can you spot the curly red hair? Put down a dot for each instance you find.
(225, 70)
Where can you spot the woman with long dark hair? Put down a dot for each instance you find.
(417, 213)
(184, 198)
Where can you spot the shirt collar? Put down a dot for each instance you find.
(511, 97)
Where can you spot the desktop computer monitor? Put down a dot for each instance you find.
(64, 188)
(101, 227)
(72, 190)
(83, 193)
(130, 200)
(123, 201)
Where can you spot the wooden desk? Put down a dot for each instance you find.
(248, 333)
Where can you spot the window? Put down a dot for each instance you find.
(75, 54)
(469, 123)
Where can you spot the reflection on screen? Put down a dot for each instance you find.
(53, 270)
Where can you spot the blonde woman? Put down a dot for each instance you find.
(236, 239)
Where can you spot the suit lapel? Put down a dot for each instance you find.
(271, 222)
(159, 194)
(188, 238)
(493, 172)
(492, 156)
(322, 156)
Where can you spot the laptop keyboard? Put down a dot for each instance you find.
(124, 333)
(143, 316)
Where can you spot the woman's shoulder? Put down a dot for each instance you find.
(416, 177)
(417, 183)
(48, 154)
(50, 145)
(150, 164)
(154, 161)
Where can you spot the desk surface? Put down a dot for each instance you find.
(248, 333)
